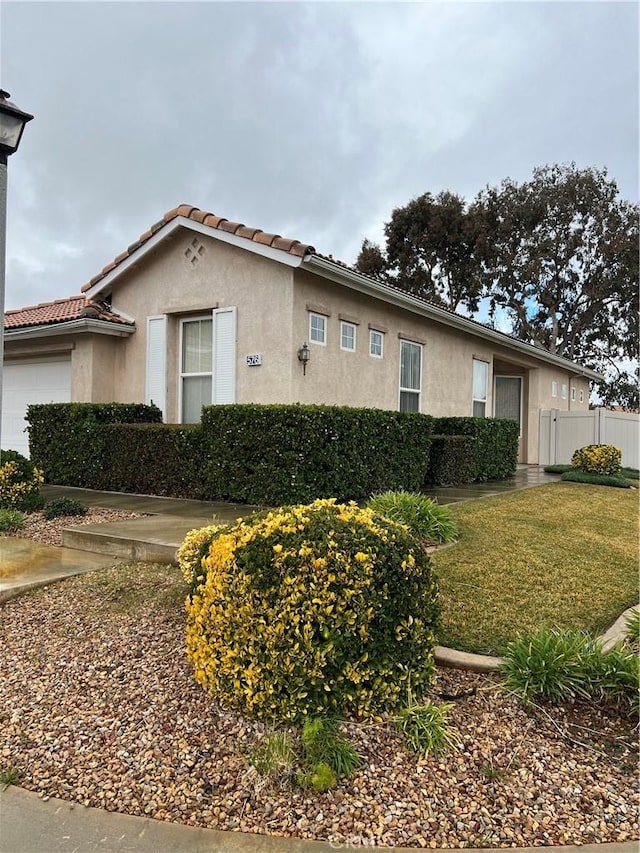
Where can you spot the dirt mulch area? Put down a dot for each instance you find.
(99, 706)
(49, 532)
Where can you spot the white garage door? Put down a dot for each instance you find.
(30, 381)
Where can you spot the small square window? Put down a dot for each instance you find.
(348, 336)
(554, 389)
(376, 343)
(564, 392)
(318, 329)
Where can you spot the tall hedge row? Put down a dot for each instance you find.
(246, 453)
(452, 460)
(293, 453)
(67, 440)
(496, 444)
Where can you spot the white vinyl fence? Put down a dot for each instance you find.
(562, 433)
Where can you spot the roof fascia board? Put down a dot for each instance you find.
(360, 282)
(278, 255)
(85, 324)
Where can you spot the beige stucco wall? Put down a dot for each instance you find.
(273, 302)
(224, 276)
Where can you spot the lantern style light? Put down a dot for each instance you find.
(12, 122)
(304, 354)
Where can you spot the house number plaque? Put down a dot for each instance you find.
(253, 360)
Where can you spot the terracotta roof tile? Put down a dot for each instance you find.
(60, 311)
(293, 247)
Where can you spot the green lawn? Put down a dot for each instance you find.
(565, 554)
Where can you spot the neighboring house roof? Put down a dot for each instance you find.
(203, 217)
(74, 314)
(61, 311)
(295, 254)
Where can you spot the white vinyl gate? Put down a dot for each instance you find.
(562, 433)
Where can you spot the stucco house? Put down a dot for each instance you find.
(202, 310)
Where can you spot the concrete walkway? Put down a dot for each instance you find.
(29, 824)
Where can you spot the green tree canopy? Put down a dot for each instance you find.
(558, 255)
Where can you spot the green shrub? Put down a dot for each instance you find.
(67, 439)
(312, 610)
(425, 728)
(11, 520)
(495, 447)
(598, 459)
(20, 482)
(576, 476)
(63, 506)
(422, 515)
(278, 454)
(630, 473)
(451, 460)
(558, 665)
(632, 629)
(156, 459)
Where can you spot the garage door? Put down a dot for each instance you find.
(30, 381)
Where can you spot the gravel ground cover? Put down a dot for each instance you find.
(98, 705)
(49, 531)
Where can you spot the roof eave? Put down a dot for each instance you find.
(69, 327)
(364, 284)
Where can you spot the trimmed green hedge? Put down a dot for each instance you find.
(451, 460)
(496, 444)
(278, 454)
(66, 440)
(577, 476)
(155, 459)
(246, 453)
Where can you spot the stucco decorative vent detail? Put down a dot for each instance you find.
(194, 252)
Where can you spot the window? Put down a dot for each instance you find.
(376, 343)
(480, 376)
(196, 367)
(581, 396)
(554, 389)
(347, 336)
(410, 376)
(317, 329)
(564, 391)
(573, 395)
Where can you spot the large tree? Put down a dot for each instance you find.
(560, 256)
(430, 251)
(557, 255)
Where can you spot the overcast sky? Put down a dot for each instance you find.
(313, 120)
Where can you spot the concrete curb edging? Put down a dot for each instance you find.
(452, 658)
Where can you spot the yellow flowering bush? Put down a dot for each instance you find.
(598, 459)
(194, 547)
(19, 482)
(313, 609)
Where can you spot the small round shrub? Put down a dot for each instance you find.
(63, 506)
(307, 610)
(20, 482)
(422, 515)
(598, 459)
(11, 520)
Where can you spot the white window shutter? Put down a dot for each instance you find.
(156, 381)
(224, 358)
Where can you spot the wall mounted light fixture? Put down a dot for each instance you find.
(304, 354)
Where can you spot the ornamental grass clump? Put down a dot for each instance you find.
(422, 515)
(319, 609)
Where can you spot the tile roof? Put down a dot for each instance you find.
(275, 241)
(60, 311)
